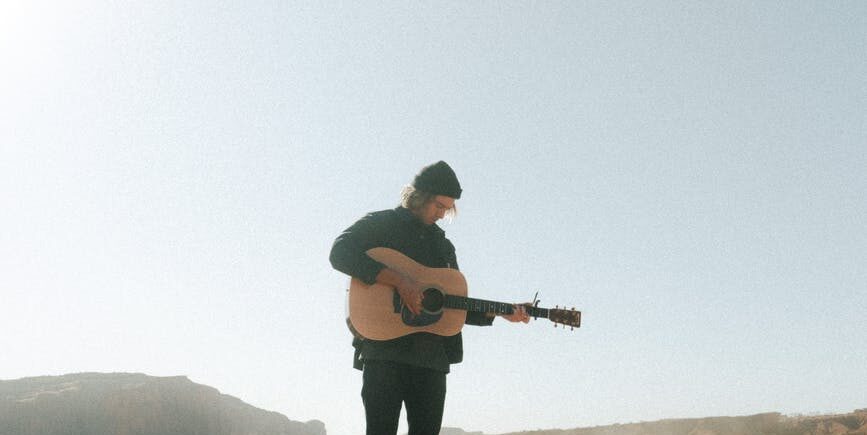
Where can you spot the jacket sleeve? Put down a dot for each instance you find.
(479, 319)
(349, 251)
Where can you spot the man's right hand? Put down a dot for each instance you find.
(410, 290)
(412, 299)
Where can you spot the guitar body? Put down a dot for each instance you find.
(375, 311)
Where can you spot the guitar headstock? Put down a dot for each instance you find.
(562, 316)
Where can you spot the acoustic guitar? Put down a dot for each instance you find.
(376, 312)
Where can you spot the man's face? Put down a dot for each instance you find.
(435, 209)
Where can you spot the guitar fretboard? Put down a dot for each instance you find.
(483, 306)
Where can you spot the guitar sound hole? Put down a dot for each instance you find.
(433, 301)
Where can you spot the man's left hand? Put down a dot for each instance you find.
(518, 315)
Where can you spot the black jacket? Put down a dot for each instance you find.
(400, 230)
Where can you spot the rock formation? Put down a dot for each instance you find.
(133, 404)
(772, 423)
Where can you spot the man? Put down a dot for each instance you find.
(411, 369)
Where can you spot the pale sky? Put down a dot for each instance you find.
(690, 175)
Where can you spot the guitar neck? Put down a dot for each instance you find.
(483, 306)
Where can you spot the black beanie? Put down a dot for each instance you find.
(438, 179)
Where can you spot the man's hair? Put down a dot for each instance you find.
(414, 199)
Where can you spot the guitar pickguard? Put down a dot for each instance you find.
(424, 318)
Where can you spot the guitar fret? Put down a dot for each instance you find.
(484, 306)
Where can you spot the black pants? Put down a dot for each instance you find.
(387, 385)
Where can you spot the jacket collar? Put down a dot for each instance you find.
(407, 216)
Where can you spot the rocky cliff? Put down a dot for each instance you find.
(774, 423)
(133, 404)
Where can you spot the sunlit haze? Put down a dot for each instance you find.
(690, 175)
